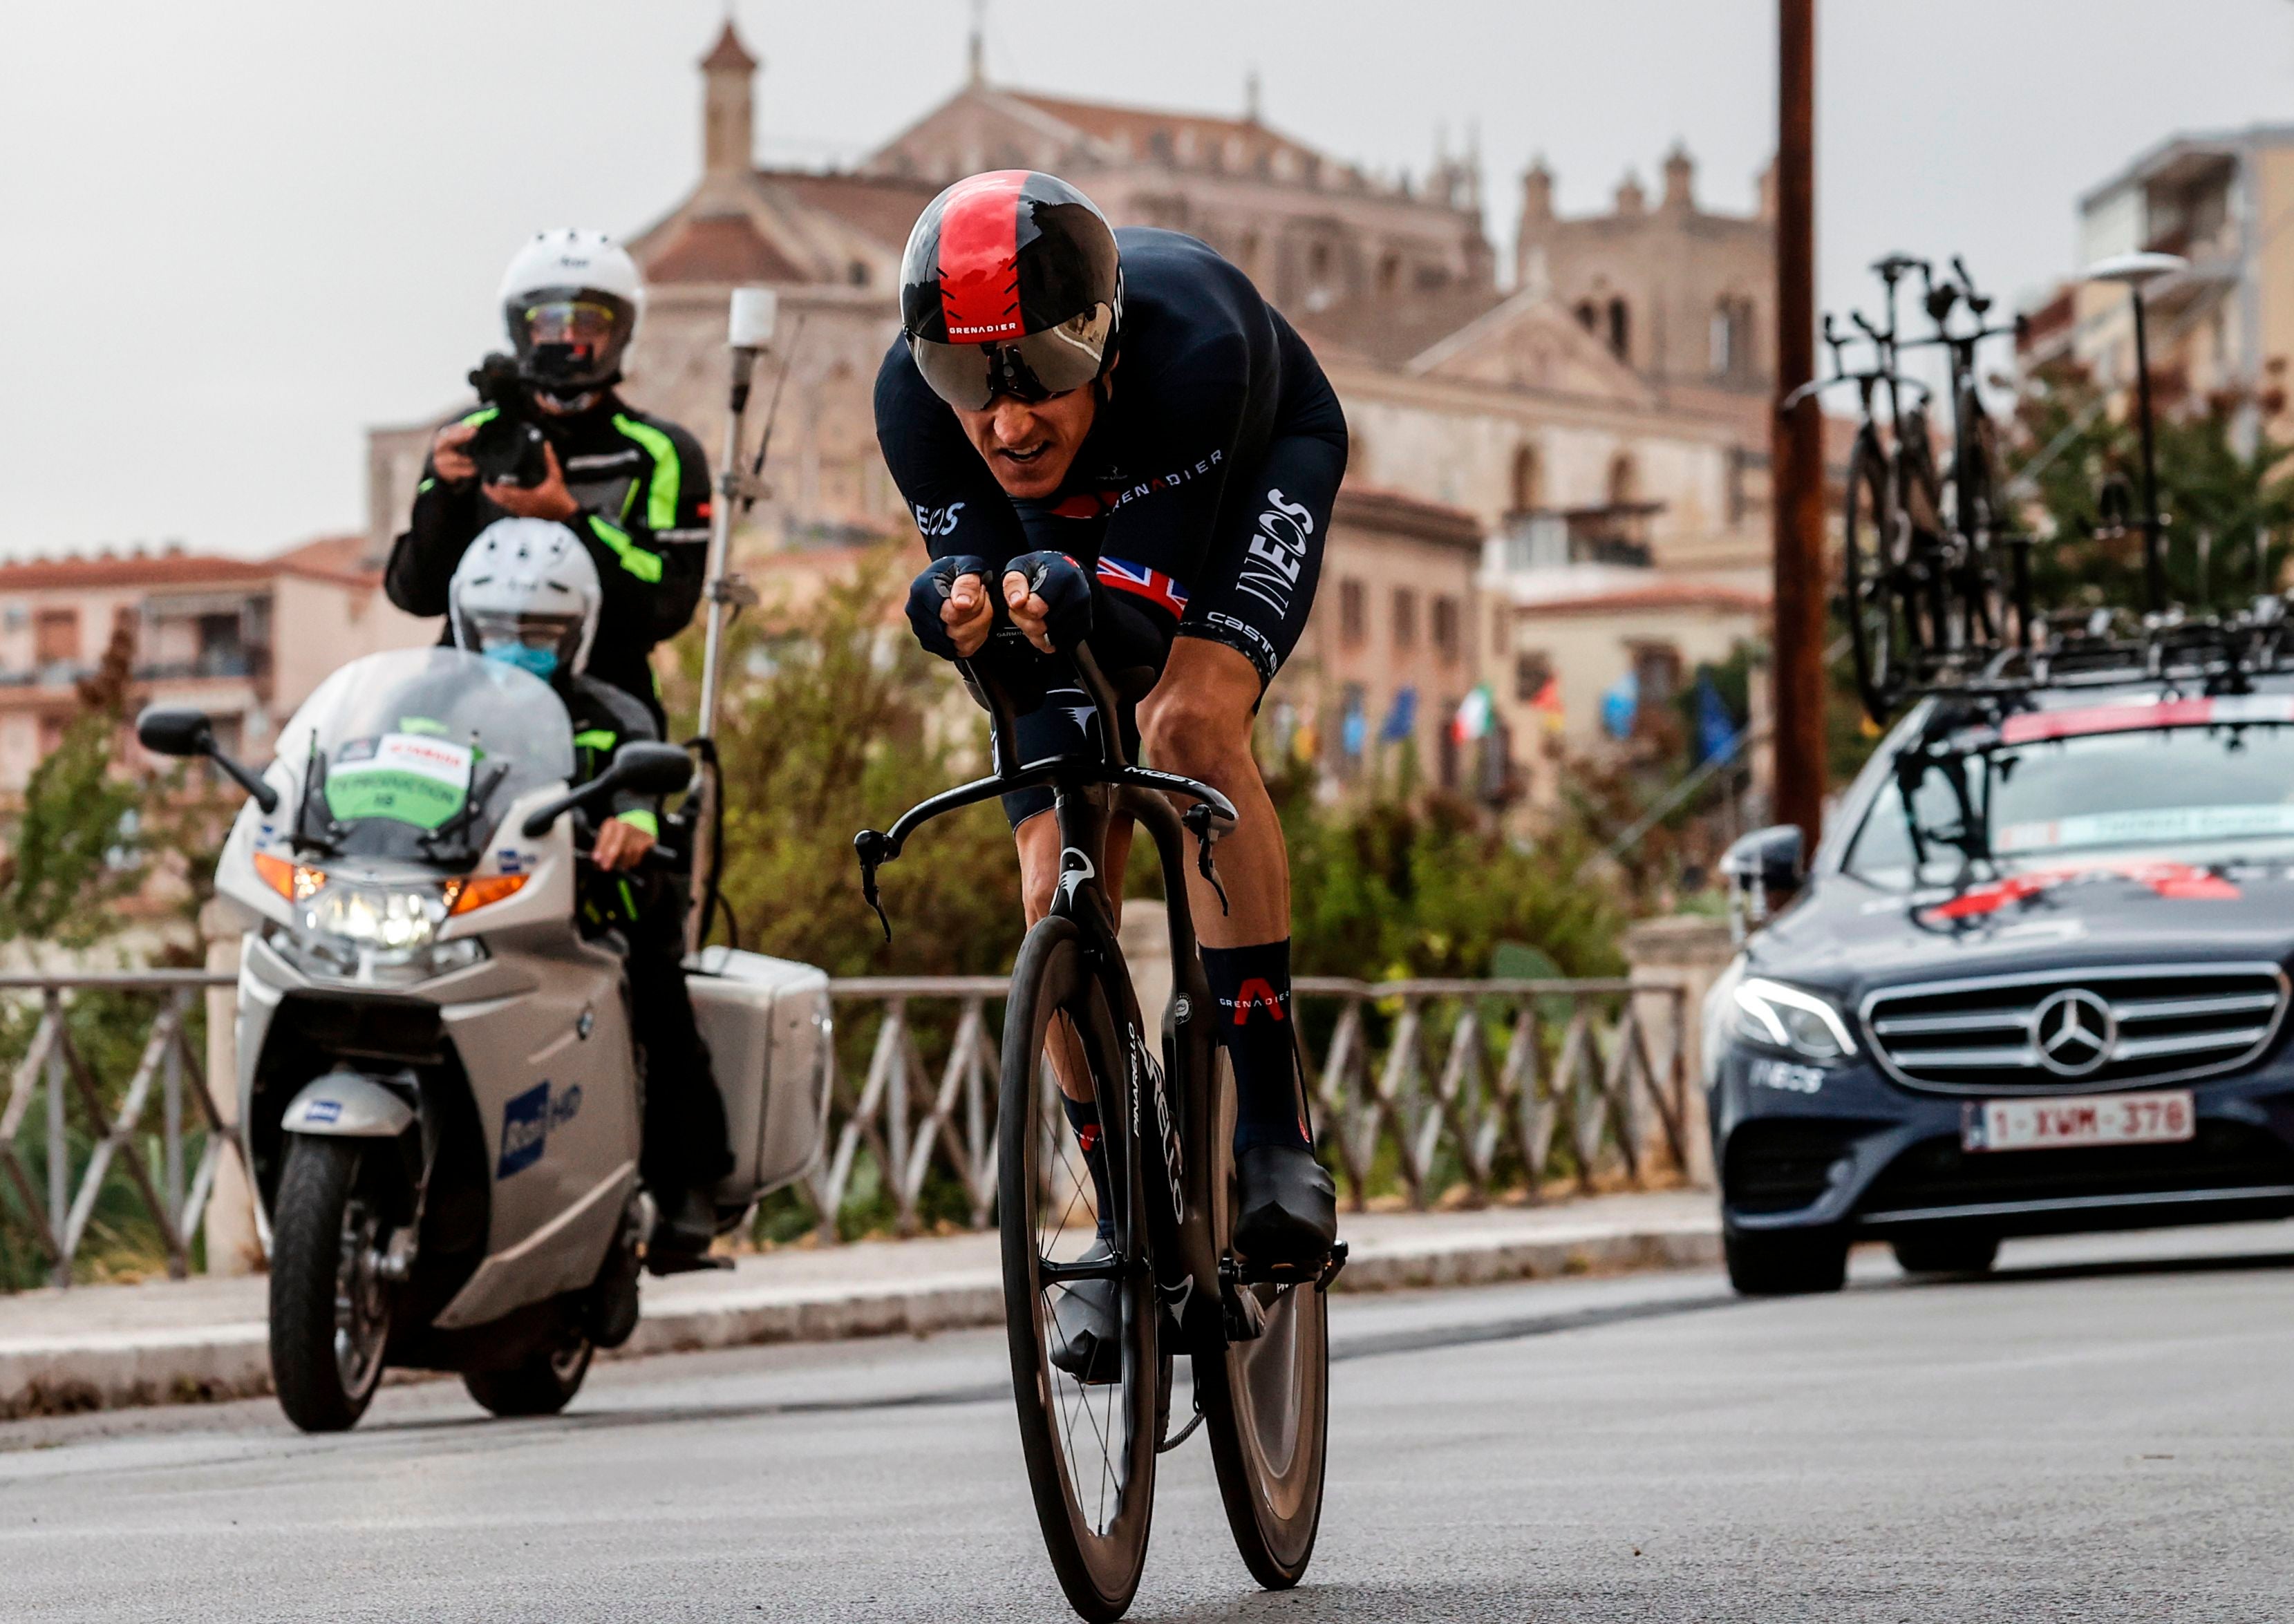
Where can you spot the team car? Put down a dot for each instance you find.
(2034, 980)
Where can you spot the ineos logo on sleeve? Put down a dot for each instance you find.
(1277, 550)
(938, 521)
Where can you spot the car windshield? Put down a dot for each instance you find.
(417, 754)
(2210, 779)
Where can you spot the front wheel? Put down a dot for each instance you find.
(1089, 1440)
(1874, 571)
(329, 1305)
(1785, 1262)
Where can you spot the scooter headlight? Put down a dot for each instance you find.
(345, 930)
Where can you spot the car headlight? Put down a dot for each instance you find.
(1786, 1017)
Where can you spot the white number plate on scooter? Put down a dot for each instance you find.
(2162, 1118)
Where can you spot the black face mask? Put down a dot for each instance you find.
(570, 403)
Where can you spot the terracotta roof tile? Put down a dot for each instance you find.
(162, 570)
(1656, 595)
(1140, 125)
(720, 248)
(1377, 508)
(882, 206)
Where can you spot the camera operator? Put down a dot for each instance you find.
(553, 440)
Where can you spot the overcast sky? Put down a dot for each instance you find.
(234, 233)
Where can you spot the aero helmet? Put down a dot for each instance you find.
(1009, 286)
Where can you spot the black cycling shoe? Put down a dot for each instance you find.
(1087, 1324)
(1288, 1209)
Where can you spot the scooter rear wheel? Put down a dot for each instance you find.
(329, 1306)
(544, 1384)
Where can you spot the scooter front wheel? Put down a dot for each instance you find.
(329, 1305)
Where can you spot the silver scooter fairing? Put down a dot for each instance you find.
(501, 1031)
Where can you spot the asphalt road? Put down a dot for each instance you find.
(2104, 1430)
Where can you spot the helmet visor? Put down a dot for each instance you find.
(969, 377)
(568, 340)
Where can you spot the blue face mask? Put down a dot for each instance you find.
(542, 663)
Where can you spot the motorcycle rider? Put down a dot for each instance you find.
(632, 486)
(526, 594)
(1174, 511)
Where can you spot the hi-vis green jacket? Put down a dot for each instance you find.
(643, 484)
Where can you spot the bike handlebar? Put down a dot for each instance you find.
(1211, 817)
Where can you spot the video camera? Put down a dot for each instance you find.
(509, 447)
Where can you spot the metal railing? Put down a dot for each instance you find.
(1526, 1069)
(1428, 1090)
(55, 1072)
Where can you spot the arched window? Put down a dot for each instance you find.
(1732, 337)
(1621, 333)
(1389, 274)
(1528, 480)
(1624, 480)
(1589, 315)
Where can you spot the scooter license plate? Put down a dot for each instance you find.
(2069, 1121)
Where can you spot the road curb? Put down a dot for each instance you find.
(121, 1369)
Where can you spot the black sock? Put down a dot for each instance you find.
(1083, 1116)
(1250, 989)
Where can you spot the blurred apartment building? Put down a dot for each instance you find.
(2224, 326)
(245, 639)
(1580, 458)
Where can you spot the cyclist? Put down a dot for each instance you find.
(526, 594)
(1174, 506)
(634, 487)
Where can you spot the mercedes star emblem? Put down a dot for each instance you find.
(2075, 1032)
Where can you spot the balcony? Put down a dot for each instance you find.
(1615, 534)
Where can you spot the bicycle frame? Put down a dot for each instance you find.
(1195, 1281)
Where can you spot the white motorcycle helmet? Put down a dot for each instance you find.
(571, 299)
(526, 594)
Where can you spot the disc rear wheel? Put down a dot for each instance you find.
(1265, 1403)
(1089, 1443)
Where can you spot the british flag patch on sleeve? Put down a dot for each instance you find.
(1119, 575)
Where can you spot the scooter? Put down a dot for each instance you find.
(437, 1086)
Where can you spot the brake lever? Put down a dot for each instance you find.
(1200, 820)
(872, 848)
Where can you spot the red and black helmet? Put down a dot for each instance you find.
(1009, 286)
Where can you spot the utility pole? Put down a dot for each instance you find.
(1796, 460)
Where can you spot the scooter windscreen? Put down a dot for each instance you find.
(415, 754)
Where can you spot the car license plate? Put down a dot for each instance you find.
(2090, 1119)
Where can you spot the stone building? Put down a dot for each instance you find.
(244, 639)
(2225, 326)
(1632, 438)
(1681, 295)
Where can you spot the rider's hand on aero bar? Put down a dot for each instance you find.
(1045, 596)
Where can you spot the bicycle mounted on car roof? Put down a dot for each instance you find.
(1258, 1340)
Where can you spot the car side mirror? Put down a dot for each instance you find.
(642, 766)
(1764, 868)
(171, 730)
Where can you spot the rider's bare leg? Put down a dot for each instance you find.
(1198, 722)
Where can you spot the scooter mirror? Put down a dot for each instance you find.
(170, 730)
(651, 770)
